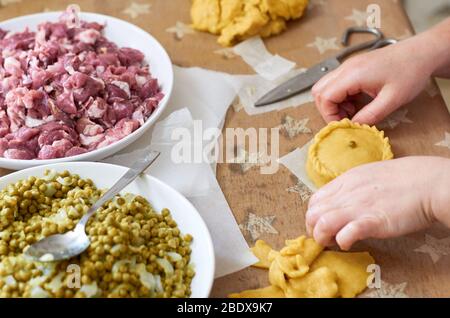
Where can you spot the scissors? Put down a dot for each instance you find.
(307, 79)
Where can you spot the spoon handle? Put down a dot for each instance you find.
(126, 179)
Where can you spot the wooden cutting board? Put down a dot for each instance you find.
(405, 271)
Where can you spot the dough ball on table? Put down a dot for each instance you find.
(238, 20)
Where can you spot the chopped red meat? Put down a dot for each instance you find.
(128, 56)
(23, 154)
(66, 90)
(96, 109)
(75, 151)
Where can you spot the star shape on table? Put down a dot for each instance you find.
(435, 247)
(324, 45)
(387, 291)
(300, 188)
(227, 53)
(180, 30)
(258, 225)
(294, 127)
(445, 142)
(316, 3)
(6, 2)
(395, 119)
(247, 160)
(358, 17)
(136, 9)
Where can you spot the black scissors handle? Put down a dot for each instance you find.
(376, 43)
(305, 80)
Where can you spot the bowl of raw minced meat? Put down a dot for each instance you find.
(77, 86)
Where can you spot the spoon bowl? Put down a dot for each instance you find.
(60, 246)
(64, 246)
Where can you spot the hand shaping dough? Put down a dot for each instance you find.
(343, 145)
(237, 20)
(302, 270)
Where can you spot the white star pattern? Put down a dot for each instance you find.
(395, 119)
(358, 17)
(434, 247)
(387, 291)
(226, 53)
(180, 30)
(316, 3)
(258, 225)
(6, 2)
(445, 142)
(300, 188)
(294, 127)
(248, 160)
(136, 9)
(324, 45)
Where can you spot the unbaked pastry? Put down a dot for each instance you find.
(303, 270)
(237, 20)
(343, 145)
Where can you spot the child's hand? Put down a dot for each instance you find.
(381, 200)
(392, 76)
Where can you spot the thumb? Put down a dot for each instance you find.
(377, 110)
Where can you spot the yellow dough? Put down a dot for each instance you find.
(266, 292)
(350, 268)
(237, 20)
(302, 269)
(306, 247)
(343, 145)
(261, 250)
(321, 283)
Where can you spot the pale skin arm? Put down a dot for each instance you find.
(381, 200)
(392, 76)
(397, 197)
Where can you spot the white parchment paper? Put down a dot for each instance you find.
(295, 161)
(270, 67)
(198, 95)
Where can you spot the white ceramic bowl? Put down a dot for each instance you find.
(123, 34)
(160, 195)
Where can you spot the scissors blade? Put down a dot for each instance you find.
(298, 83)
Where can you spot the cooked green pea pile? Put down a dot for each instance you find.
(134, 251)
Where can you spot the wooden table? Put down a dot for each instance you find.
(405, 271)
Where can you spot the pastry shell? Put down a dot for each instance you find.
(343, 145)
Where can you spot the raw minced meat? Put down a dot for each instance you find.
(66, 90)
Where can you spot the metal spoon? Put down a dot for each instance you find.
(64, 246)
